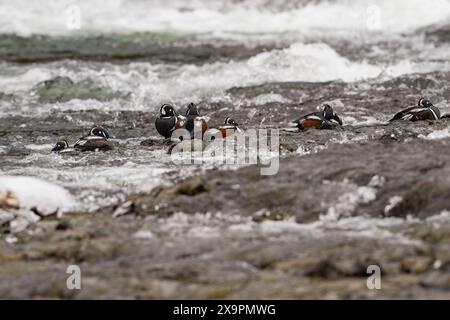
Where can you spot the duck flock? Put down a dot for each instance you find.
(169, 120)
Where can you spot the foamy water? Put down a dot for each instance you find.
(152, 84)
(202, 16)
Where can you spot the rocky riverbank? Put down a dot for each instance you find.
(342, 200)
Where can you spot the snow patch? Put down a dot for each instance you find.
(32, 192)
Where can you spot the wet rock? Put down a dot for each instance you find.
(5, 221)
(237, 234)
(18, 225)
(263, 215)
(124, 209)
(188, 146)
(63, 89)
(416, 264)
(309, 186)
(63, 225)
(193, 187)
(8, 200)
(439, 34)
(157, 142)
(5, 217)
(436, 280)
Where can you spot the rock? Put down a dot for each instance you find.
(18, 225)
(192, 187)
(126, 208)
(436, 280)
(62, 89)
(5, 216)
(5, 220)
(263, 215)
(8, 199)
(416, 264)
(152, 142)
(63, 225)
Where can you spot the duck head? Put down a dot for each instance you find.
(328, 112)
(424, 103)
(230, 121)
(60, 145)
(167, 111)
(99, 132)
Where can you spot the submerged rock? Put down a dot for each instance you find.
(63, 89)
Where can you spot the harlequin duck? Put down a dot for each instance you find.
(326, 119)
(96, 140)
(194, 121)
(168, 121)
(60, 145)
(229, 127)
(424, 110)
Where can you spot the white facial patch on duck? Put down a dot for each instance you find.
(420, 102)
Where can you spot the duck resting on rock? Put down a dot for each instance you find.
(327, 119)
(424, 110)
(168, 121)
(97, 139)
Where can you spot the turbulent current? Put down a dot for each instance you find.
(67, 65)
